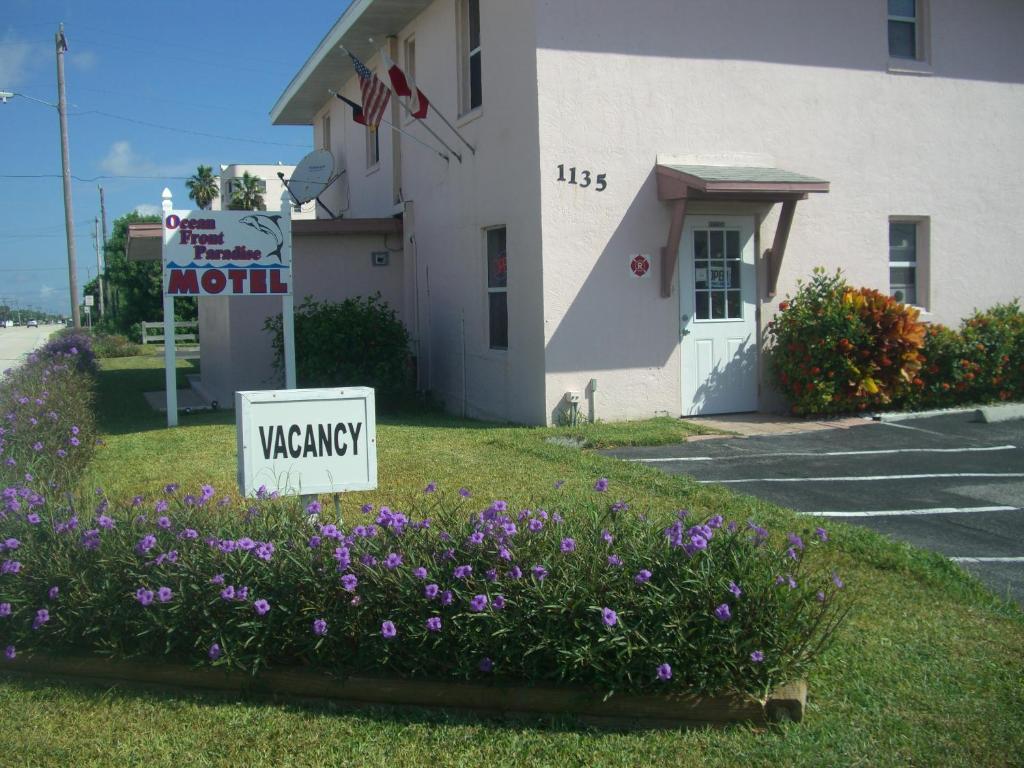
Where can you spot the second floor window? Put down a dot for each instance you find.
(470, 72)
(905, 29)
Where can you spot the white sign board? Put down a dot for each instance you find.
(227, 253)
(306, 441)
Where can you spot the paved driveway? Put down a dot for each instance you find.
(945, 483)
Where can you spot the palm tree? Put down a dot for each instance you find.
(202, 186)
(248, 194)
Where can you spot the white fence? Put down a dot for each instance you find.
(180, 336)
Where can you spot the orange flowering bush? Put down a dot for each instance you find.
(837, 349)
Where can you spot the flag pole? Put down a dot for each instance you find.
(453, 130)
(406, 133)
(405, 106)
(429, 129)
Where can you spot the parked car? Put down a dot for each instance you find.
(32, 324)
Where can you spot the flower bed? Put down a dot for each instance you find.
(47, 428)
(579, 589)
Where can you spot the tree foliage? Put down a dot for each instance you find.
(247, 195)
(202, 186)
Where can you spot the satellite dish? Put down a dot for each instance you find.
(311, 176)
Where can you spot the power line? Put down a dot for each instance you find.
(186, 130)
(88, 180)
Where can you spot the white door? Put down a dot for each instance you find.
(717, 299)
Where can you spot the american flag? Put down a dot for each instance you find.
(375, 94)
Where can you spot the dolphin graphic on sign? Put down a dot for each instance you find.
(268, 225)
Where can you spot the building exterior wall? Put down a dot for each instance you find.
(455, 202)
(799, 84)
(235, 351)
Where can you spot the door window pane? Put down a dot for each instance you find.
(497, 259)
(702, 313)
(734, 305)
(700, 244)
(732, 244)
(718, 305)
(716, 245)
(498, 320)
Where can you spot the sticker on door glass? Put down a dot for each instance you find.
(719, 278)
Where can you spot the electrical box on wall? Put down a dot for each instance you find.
(380, 258)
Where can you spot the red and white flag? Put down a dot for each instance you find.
(403, 85)
(375, 94)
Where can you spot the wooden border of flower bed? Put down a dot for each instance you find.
(624, 711)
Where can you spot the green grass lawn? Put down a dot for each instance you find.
(929, 671)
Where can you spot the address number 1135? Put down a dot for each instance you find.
(585, 179)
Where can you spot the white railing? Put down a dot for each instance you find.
(179, 336)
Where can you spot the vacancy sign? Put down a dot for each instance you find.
(227, 253)
(306, 441)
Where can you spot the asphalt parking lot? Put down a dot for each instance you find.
(946, 483)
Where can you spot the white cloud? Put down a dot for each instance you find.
(15, 57)
(122, 160)
(147, 209)
(85, 61)
(46, 291)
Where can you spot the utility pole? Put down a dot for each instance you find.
(99, 266)
(69, 225)
(103, 230)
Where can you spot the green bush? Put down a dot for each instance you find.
(587, 593)
(114, 345)
(837, 349)
(356, 342)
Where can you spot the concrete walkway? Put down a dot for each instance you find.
(756, 424)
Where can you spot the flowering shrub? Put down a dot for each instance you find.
(47, 428)
(837, 349)
(582, 591)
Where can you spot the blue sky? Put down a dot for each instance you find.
(209, 67)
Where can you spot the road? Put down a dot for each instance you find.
(945, 483)
(17, 342)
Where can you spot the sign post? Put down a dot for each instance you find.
(226, 253)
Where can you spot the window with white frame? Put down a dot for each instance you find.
(372, 148)
(497, 288)
(906, 23)
(908, 252)
(470, 72)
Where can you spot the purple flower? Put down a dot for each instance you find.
(539, 572)
(144, 596)
(498, 603)
(42, 616)
(643, 576)
(486, 664)
(387, 630)
(463, 571)
(164, 522)
(614, 560)
(607, 536)
(214, 652)
(478, 603)
(464, 493)
(821, 533)
(242, 593)
(837, 581)
(821, 596)
(245, 543)
(53, 593)
(161, 506)
(514, 573)
(722, 612)
(447, 597)
(434, 624)
(319, 627)
(164, 594)
(491, 574)
(476, 538)
(265, 551)
(349, 582)
(10, 653)
(11, 544)
(145, 544)
(535, 525)
(431, 487)
(33, 518)
(609, 617)
(314, 542)
(313, 508)
(757, 657)
(5, 610)
(601, 485)
(228, 593)
(568, 545)
(795, 540)
(559, 484)
(420, 573)
(430, 591)
(665, 672)
(104, 522)
(261, 607)
(392, 561)
(619, 506)
(735, 588)
(217, 578)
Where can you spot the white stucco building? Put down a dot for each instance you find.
(733, 145)
(271, 186)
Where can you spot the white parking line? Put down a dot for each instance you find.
(831, 453)
(901, 512)
(855, 478)
(987, 559)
